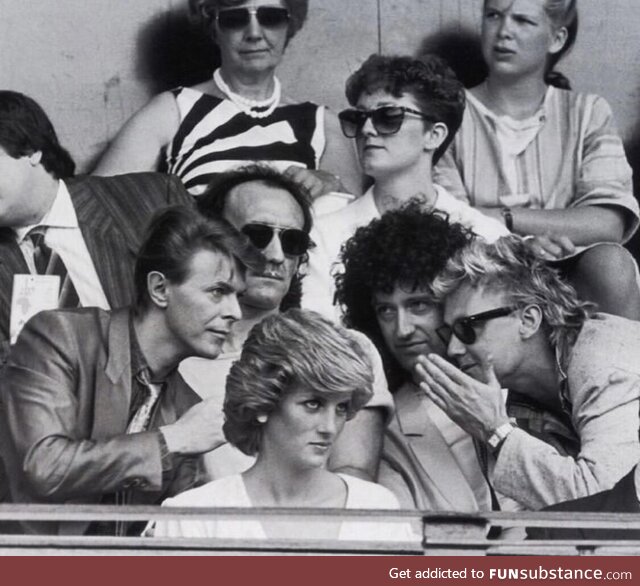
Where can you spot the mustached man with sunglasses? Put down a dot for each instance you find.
(240, 114)
(573, 377)
(273, 211)
(404, 114)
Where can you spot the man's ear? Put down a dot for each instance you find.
(157, 287)
(435, 136)
(35, 158)
(530, 321)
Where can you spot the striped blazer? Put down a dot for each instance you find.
(112, 214)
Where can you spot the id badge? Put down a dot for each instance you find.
(31, 294)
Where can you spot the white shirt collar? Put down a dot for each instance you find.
(61, 214)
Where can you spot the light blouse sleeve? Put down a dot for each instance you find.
(605, 177)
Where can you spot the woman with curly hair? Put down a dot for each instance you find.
(405, 112)
(299, 379)
(511, 322)
(545, 160)
(240, 115)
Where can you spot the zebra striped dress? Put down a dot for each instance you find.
(215, 136)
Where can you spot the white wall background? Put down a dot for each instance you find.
(87, 61)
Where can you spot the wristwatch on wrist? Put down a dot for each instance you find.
(496, 439)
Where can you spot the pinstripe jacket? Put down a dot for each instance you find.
(112, 214)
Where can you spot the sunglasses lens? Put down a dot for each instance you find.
(464, 332)
(259, 235)
(351, 121)
(387, 120)
(272, 16)
(238, 18)
(233, 18)
(294, 242)
(444, 333)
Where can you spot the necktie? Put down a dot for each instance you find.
(48, 262)
(141, 418)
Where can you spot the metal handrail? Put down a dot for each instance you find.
(443, 531)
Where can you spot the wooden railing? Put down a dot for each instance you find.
(442, 533)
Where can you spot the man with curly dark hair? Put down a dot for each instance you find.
(428, 461)
(404, 113)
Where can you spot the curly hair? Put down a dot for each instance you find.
(26, 129)
(407, 247)
(286, 350)
(214, 199)
(202, 12)
(509, 265)
(429, 80)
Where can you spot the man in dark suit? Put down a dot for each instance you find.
(92, 224)
(94, 410)
(622, 498)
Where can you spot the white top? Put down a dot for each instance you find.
(63, 234)
(231, 492)
(208, 378)
(330, 231)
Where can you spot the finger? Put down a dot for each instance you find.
(548, 247)
(433, 385)
(437, 400)
(566, 244)
(293, 172)
(450, 370)
(489, 372)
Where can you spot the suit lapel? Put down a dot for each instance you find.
(11, 263)
(113, 385)
(112, 251)
(432, 451)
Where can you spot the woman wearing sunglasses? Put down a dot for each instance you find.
(547, 161)
(404, 114)
(299, 379)
(239, 115)
(573, 376)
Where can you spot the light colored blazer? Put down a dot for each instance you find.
(417, 465)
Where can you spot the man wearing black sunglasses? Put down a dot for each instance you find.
(428, 461)
(273, 211)
(573, 377)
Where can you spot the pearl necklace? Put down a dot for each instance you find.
(253, 108)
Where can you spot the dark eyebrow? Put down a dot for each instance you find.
(224, 285)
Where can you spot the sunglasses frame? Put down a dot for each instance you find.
(366, 114)
(255, 11)
(445, 332)
(280, 232)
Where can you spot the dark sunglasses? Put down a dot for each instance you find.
(464, 328)
(238, 18)
(386, 119)
(294, 242)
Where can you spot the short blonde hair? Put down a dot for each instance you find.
(509, 266)
(296, 347)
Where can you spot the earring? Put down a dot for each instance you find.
(262, 418)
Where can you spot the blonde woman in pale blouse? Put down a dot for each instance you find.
(547, 161)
